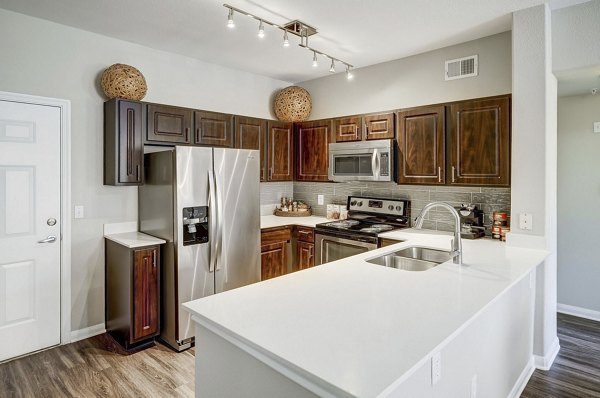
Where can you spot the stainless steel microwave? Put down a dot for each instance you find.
(361, 161)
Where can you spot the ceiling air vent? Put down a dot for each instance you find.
(462, 67)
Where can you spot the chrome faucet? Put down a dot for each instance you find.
(456, 252)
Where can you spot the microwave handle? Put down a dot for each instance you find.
(375, 163)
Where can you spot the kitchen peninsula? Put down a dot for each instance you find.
(354, 329)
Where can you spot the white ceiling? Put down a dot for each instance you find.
(361, 32)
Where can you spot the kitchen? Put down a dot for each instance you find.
(175, 80)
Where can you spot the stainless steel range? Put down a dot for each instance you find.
(367, 218)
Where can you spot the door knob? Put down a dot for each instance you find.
(49, 239)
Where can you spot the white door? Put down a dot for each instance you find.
(30, 227)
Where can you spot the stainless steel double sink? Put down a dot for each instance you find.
(415, 258)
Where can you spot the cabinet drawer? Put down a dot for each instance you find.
(275, 235)
(305, 234)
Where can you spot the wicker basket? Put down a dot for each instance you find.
(124, 81)
(293, 104)
(299, 213)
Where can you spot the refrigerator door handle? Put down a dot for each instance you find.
(212, 233)
(219, 259)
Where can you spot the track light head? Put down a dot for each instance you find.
(261, 30)
(230, 23)
(315, 63)
(332, 67)
(349, 74)
(286, 41)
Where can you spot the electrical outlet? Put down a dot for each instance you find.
(526, 221)
(596, 127)
(474, 386)
(436, 368)
(321, 199)
(79, 212)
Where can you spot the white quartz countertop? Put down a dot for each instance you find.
(355, 329)
(273, 221)
(134, 239)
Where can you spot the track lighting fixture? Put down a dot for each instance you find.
(298, 28)
(286, 41)
(230, 23)
(261, 30)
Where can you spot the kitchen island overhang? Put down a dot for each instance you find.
(351, 328)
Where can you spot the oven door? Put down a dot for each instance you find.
(331, 247)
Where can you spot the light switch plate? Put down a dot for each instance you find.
(79, 212)
(596, 127)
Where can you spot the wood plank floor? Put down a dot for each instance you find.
(576, 370)
(96, 367)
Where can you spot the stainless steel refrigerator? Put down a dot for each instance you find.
(205, 203)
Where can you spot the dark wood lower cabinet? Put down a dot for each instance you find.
(132, 292)
(306, 255)
(273, 260)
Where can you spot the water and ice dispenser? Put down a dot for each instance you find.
(195, 225)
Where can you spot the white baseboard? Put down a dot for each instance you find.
(578, 311)
(522, 380)
(546, 361)
(88, 332)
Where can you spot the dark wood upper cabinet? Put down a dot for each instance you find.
(280, 155)
(251, 133)
(145, 293)
(348, 129)
(312, 150)
(479, 142)
(168, 124)
(215, 129)
(380, 126)
(421, 146)
(123, 146)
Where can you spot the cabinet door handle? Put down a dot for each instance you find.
(137, 172)
(154, 258)
(439, 174)
(187, 133)
(270, 173)
(453, 179)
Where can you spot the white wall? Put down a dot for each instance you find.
(414, 81)
(576, 36)
(578, 202)
(47, 59)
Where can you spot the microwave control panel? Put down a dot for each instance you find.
(384, 164)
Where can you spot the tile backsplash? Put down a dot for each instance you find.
(487, 199)
(271, 193)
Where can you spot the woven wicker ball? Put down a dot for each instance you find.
(293, 104)
(124, 81)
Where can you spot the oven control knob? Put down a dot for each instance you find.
(391, 207)
(398, 208)
(353, 203)
(359, 204)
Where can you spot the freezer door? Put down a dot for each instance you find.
(238, 218)
(193, 275)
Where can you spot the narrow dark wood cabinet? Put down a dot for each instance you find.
(379, 126)
(305, 247)
(123, 146)
(348, 128)
(421, 146)
(168, 124)
(280, 154)
(212, 128)
(479, 142)
(251, 133)
(312, 150)
(132, 294)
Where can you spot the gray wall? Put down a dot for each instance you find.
(48, 59)
(487, 199)
(579, 202)
(414, 81)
